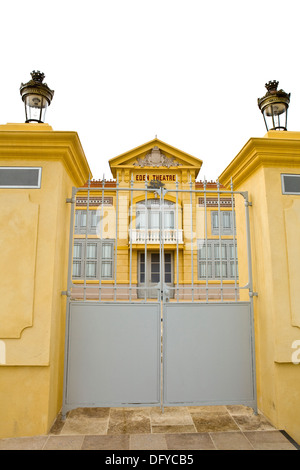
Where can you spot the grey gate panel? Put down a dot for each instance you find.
(208, 354)
(113, 355)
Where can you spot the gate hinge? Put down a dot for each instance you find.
(66, 292)
(71, 200)
(253, 294)
(248, 203)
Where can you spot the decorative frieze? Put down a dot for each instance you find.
(214, 202)
(94, 201)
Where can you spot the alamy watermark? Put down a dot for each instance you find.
(296, 353)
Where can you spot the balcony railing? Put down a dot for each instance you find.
(156, 236)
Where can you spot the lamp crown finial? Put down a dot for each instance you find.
(272, 85)
(37, 76)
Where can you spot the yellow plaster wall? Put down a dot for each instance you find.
(275, 234)
(24, 395)
(32, 343)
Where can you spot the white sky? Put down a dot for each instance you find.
(123, 71)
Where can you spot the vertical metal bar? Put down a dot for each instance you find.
(234, 242)
(71, 241)
(86, 237)
(101, 235)
(248, 240)
(69, 287)
(250, 284)
(220, 240)
(116, 244)
(192, 240)
(146, 239)
(130, 252)
(162, 284)
(206, 241)
(161, 261)
(177, 247)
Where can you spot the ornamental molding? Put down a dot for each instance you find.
(155, 158)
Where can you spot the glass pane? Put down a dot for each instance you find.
(169, 220)
(93, 218)
(215, 219)
(140, 220)
(91, 251)
(154, 277)
(153, 219)
(231, 251)
(107, 250)
(202, 270)
(233, 268)
(155, 258)
(168, 277)
(91, 268)
(167, 257)
(142, 277)
(217, 252)
(76, 268)
(106, 269)
(227, 220)
(83, 218)
(155, 267)
(77, 250)
(202, 251)
(217, 269)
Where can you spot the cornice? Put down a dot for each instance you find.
(258, 152)
(46, 144)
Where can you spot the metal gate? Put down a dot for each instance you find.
(133, 342)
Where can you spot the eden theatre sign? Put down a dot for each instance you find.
(155, 177)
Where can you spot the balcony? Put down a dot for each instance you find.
(156, 236)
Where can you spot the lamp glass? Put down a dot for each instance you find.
(275, 116)
(35, 108)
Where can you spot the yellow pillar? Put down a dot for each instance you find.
(275, 235)
(34, 243)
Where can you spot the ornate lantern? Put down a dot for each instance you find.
(36, 96)
(274, 106)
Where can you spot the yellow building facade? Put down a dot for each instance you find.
(155, 201)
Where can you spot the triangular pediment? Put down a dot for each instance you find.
(155, 154)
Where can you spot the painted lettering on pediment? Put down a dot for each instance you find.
(155, 158)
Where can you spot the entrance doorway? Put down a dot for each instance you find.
(149, 272)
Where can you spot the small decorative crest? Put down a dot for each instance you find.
(272, 85)
(155, 184)
(156, 158)
(37, 76)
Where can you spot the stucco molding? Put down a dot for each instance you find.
(46, 144)
(259, 152)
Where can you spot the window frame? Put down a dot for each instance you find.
(224, 230)
(79, 227)
(213, 261)
(150, 214)
(99, 259)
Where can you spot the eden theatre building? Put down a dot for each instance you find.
(154, 228)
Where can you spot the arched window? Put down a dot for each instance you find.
(154, 213)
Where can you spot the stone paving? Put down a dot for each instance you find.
(180, 428)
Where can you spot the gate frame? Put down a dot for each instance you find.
(163, 296)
